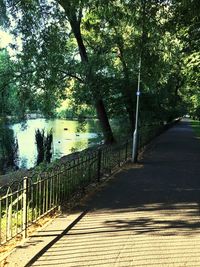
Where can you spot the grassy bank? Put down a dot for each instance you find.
(196, 127)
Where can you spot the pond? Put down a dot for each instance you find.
(68, 136)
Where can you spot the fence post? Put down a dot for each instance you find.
(99, 164)
(25, 194)
(126, 151)
(9, 218)
(119, 162)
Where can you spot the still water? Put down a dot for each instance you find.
(68, 136)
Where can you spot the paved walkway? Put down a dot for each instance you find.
(148, 215)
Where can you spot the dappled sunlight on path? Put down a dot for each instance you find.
(151, 235)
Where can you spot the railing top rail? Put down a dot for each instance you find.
(70, 161)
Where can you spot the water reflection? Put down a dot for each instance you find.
(68, 136)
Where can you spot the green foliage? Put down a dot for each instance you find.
(8, 148)
(44, 145)
(3, 14)
(74, 111)
(89, 50)
(8, 89)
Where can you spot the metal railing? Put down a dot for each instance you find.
(24, 202)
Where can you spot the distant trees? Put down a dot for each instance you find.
(8, 88)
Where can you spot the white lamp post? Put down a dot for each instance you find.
(135, 134)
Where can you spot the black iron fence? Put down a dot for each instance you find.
(26, 201)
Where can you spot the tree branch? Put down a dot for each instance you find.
(72, 76)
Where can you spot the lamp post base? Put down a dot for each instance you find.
(135, 147)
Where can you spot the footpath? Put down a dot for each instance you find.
(148, 215)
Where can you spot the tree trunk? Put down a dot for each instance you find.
(75, 21)
(104, 122)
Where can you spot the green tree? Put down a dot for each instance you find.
(93, 47)
(38, 22)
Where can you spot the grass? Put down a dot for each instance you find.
(196, 127)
